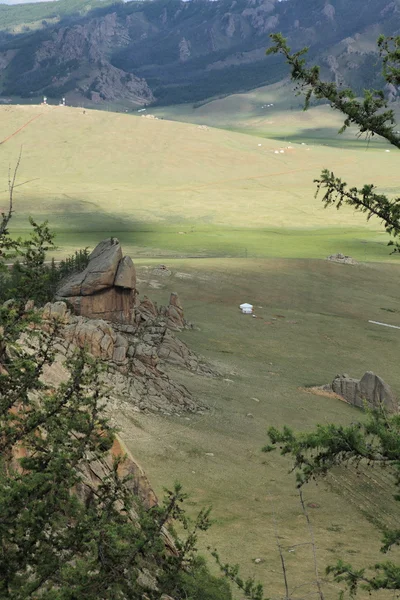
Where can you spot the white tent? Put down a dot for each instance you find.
(246, 308)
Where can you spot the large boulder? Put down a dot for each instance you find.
(100, 272)
(106, 288)
(347, 387)
(126, 274)
(370, 390)
(113, 304)
(102, 268)
(377, 392)
(146, 310)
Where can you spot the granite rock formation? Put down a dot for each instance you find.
(135, 357)
(106, 288)
(370, 390)
(174, 313)
(99, 309)
(342, 259)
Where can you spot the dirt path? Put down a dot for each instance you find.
(23, 127)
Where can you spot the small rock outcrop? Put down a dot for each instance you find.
(370, 390)
(146, 310)
(106, 288)
(174, 313)
(342, 258)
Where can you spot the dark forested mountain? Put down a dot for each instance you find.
(168, 51)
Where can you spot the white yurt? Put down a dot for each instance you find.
(246, 308)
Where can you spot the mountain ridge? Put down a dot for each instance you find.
(168, 51)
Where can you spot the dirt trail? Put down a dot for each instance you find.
(23, 127)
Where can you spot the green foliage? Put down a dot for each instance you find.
(370, 115)
(377, 440)
(62, 536)
(29, 277)
(74, 264)
(199, 584)
(390, 49)
(249, 587)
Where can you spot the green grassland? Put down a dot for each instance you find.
(251, 112)
(177, 188)
(312, 322)
(234, 222)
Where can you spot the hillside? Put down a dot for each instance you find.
(13, 19)
(273, 111)
(168, 51)
(183, 188)
(233, 219)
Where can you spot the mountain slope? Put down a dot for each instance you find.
(171, 51)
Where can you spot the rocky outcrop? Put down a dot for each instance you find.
(133, 355)
(370, 390)
(95, 471)
(99, 309)
(184, 50)
(174, 313)
(81, 53)
(126, 274)
(146, 310)
(392, 92)
(342, 259)
(106, 288)
(108, 83)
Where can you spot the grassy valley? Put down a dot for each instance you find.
(312, 322)
(235, 220)
(180, 189)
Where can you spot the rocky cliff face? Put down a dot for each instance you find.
(75, 59)
(135, 345)
(179, 51)
(135, 358)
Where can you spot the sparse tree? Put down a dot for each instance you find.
(376, 441)
(56, 544)
(371, 115)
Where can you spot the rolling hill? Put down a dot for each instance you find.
(182, 187)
